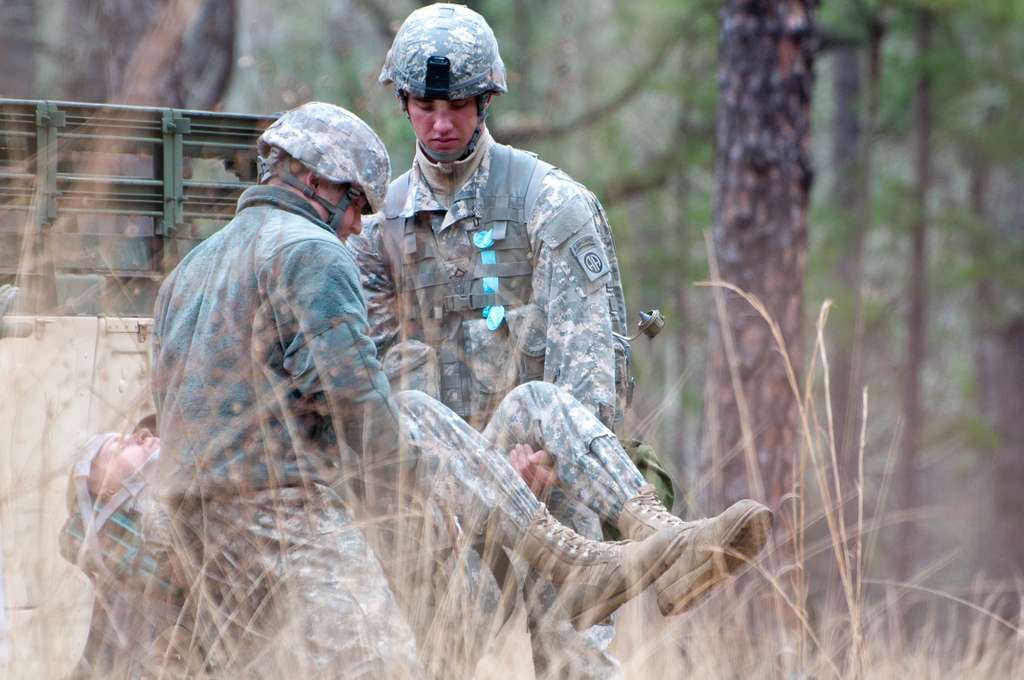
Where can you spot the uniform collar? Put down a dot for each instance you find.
(282, 199)
(445, 179)
(425, 173)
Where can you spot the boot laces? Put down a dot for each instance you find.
(564, 536)
(649, 505)
(575, 542)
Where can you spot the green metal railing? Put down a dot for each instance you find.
(98, 202)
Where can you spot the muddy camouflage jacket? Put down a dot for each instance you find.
(263, 371)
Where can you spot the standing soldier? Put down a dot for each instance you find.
(488, 268)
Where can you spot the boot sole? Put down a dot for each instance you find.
(741, 543)
(609, 602)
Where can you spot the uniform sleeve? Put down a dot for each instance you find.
(378, 287)
(314, 292)
(569, 277)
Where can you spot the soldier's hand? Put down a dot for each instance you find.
(537, 468)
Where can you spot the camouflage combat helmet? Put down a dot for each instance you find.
(335, 145)
(444, 51)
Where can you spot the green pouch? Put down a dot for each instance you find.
(647, 462)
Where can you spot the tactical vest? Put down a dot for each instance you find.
(487, 335)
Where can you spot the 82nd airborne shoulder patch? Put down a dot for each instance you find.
(589, 253)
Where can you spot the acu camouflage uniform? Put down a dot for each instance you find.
(508, 277)
(428, 285)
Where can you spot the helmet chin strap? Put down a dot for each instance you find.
(446, 156)
(335, 211)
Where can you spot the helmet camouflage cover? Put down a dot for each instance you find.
(445, 51)
(333, 143)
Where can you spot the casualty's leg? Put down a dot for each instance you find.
(594, 481)
(592, 466)
(594, 469)
(595, 478)
(457, 468)
(559, 650)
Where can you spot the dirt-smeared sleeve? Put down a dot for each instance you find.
(320, 313)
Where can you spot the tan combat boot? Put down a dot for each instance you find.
(716, 547)
(596, 578)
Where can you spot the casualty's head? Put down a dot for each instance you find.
(330, 157)
(445, 66)
(114, 457)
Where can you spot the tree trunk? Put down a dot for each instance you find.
(998, 207)
(1003, 347)
(764, 175)
(524, 23)
(850, 196)
(917, 300)
(17, 48)
(101, 37)
(209, 59)
(173, 53)
(150, 52)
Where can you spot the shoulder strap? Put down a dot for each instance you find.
(534, 184)
(397, 193)
(394, 239)
(513, 185)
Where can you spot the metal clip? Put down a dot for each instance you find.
(141, 328)
(650, 324)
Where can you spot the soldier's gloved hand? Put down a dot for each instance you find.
(537, 468)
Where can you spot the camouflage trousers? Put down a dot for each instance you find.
(461, 503)
(437, 571)
(596, 476)
(459, 471)
(284, 584)
(465, 474)
(594, 471)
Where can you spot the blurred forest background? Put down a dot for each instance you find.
(865, 152)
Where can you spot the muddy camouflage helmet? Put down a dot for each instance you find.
(335, 144)
(446, 51)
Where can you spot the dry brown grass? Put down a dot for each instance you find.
(777, 621)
